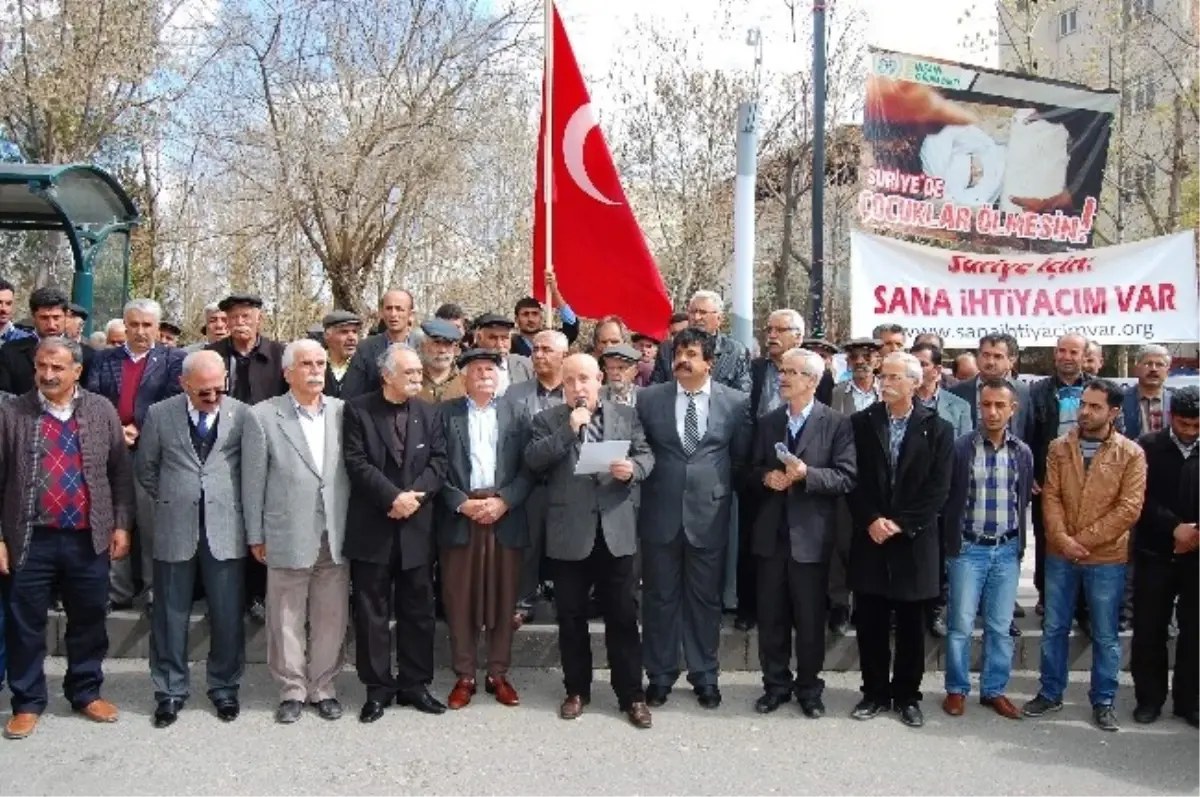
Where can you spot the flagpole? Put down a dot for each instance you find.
(548, 156)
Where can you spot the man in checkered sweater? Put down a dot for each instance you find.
(66, 506)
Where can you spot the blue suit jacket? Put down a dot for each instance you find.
(1132, 413)
(160, 380)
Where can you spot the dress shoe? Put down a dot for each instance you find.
(289, 711)
(868, 709)
(1018, 611)
(227, 709)
(461, 694)
(1190, 717)
(371, 711)
(328, 709)
(708, 696)
(572, 707)
(813, 707)
(167, 712)
(744, 623)
(258, 611)
(839, 620)
(100, 711)
(21, 725)
(771, 701)
(505, 694)
(954, 704)
(422, 701)
(1002, 706)
(1144, 715)
(657, 695)
(911, 715)
(639, 715)
(523, 616)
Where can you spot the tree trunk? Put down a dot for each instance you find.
(783, 264)
(346, 283)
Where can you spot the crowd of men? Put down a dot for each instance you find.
(329, 483)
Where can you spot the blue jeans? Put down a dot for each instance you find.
(990, 572)
(1104, 591)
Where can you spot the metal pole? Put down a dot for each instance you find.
(548, 158)
(817, 281)
(743, 225)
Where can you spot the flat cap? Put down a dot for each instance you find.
(820, 344)
(471, 355)
(170, 326)
(239, 300)
(341, 318)
(78, 310)
(622, 351)
(636, 336)
(493, 320)
(441, 329)
(862, 343)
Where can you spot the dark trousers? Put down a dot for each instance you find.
(1159, 584)
(615, 585)
(256, 581)
(839, 565)
(410, 592)
(886, 681)
(747, 562)
(67, 560)
(171, 617)
(791, 596)
(681, 604)
(532, 556)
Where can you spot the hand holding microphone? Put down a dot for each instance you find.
(581, 416)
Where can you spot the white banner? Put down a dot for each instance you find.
(1127, 294)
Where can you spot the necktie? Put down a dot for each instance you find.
(202, 424)
(691, 426)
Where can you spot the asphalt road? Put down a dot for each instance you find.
(489, 749)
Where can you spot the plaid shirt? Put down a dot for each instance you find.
(992, 508)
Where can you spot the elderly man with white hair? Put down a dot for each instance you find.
(215, 329)
(706, 311)
(134, 376)
(189, 462)
(295, 493)
(904, 455)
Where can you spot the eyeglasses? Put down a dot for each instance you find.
(778, 330)
(210, 393)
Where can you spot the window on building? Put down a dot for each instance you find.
(1068, 22)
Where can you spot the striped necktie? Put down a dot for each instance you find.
(691, 426)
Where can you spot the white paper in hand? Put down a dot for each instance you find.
(596, 457)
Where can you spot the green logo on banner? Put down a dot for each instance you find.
(932, 74)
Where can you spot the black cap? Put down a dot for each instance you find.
(862, 343)
(239, 300)
(622, 351)
(636, 336)
(441, 329)
(493, 320)
(78, 310)
(170, 326)
(819, 345)
(471, 355)
(341, 318)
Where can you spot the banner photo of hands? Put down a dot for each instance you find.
(1129, 294)
(981, 159)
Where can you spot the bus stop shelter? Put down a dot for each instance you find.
(93, 213)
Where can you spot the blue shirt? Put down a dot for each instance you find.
(992, 498)
(796, 422)
(897, 427)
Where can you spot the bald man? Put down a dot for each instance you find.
(396, 314)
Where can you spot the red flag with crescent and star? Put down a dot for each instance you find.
(600, 257)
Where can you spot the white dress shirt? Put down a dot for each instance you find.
(483, 433)
(313, 426)
(136, 358)
(703, 395)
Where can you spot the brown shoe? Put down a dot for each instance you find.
(1002, 706)
(20, 725)
(572, 707)
(100, 711)
(639, 715)
(505, 694)
(954, 705)
(460, 695)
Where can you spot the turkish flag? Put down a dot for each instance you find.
(600, 257)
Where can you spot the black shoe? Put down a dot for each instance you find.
(1013, 631)
(656, 695)
(227, 709)
(371, 711)
(167, 712)
(744, 624)
(1144, 715)
(708, 696)
(911, 715)
(771, 701)
(813, 708)
(422, 701)
(329, 708)
(1190, 717)
(1041, 705)
(1124, 625)
(938, 626)
(288, 712)
(1105, 718)
(1018, 611)
(258, 611)
(839, 620)
(868, 709)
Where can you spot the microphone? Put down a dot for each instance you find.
(581, 403)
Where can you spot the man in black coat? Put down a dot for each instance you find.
(905, 454)
(395, 455)
(48, 308)
(1167, 565)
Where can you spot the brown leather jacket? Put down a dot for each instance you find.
(1098, 507)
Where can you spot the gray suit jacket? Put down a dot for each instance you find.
(809, 508)
(693, 493)
(288, 503)
(520, 369)
(169, 470)
(524, 396)
(577, 503)
(841, 400)
(957, 412)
